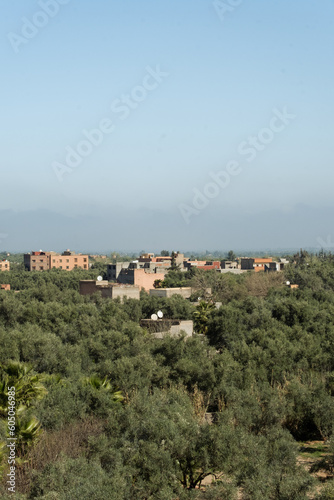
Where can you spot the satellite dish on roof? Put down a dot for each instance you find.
(99, 278)
(288, 283)
(154, 317)
(160, 314)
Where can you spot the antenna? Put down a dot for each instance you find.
(288, 283)
(154, 317)
(99, 278)
(160, 314)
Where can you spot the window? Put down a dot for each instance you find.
(75, 260)
(67, 260)
(41, 268)
(54, 260)
(85, 266)
(75, 265)
(60, 260)
(60, 267)
(34, 267)
(33, 260)
(85, 260)
(67, 267)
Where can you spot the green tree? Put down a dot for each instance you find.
(202, 316)
(231, 255)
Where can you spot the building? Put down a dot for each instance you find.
(109, 290)
(260, 264)
(37, 261)
(205, 265)
(4, 265)
(140, 277)
(185, 292)
(4, 287)
(43, 261)
(142, 274)
(162, 259)
(160, 328)
(228, 264)
(256, 264)
(69, 261)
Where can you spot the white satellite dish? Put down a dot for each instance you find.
(154, 317)
(99, 278)
(160, 314)
(288, 283)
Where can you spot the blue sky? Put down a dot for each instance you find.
(225, 78)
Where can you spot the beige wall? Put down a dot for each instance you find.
(4, 265)
(69, 262)
(109, 290)
(185, 292)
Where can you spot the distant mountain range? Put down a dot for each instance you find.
(154, 230)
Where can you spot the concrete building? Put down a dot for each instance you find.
(37, 261)
(202, 264)
(4, 265)
(185, 292)
(109, 290)
(232, 271)
(257, 264)
(161, 259)
(142, 274)
(260, 264)
(43, 261)
(228, 264)
(163, 327)
(69, 261)
(4, 287)
(139, 277)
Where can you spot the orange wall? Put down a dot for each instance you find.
(146, 280)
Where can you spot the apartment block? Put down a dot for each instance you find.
(43, 261)
(37, 261)
(4, 265)
(69, 261)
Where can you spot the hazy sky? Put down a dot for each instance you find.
(205, 109)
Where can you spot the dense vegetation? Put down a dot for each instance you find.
(108, 411)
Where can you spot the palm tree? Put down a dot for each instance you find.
(28, 386)
(104, 385)
(202, 315)
(28, 389)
